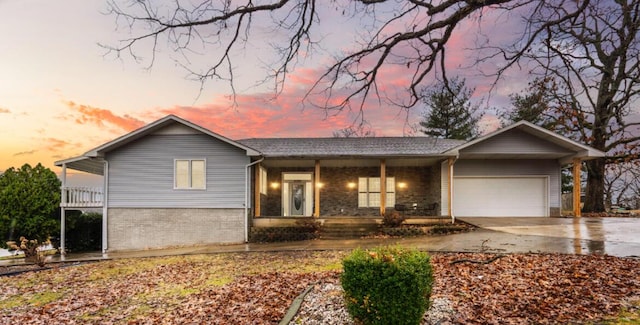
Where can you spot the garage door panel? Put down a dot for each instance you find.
(500, 196)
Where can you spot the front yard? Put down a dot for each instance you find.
(258, 288)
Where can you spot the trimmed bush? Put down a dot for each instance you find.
(393, 219)
(387, 285)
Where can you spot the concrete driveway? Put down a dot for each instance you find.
(612, 236)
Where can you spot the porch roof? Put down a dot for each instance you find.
(91, 165)
(351, 147)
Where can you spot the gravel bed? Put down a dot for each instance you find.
(324, 304)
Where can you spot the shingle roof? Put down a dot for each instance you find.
(350, 147)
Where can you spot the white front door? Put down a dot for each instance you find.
(297, 194)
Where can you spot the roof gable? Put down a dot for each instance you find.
(517, 142)
(170, 124)
(523, 139)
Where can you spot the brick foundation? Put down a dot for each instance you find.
(135, 229)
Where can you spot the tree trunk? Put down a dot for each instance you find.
(594, 196)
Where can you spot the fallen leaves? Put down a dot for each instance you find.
(257, 288)
(536, 288)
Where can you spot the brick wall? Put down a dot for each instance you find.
(134, 229)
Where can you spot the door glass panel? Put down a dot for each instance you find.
(297, 199)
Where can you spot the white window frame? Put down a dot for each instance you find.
(190, 174)
(368, 191)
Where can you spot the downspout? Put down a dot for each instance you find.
(246, 198)
(105, 210)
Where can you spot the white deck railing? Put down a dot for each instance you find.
(81, 197)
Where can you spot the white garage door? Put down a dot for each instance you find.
(500, 197)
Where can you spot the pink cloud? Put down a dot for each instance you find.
(261, 115)
(99, 116)
(4, 110)
(57, 144)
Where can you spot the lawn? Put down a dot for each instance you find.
(257, 288)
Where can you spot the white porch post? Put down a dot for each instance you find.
(105, 210)
(383, 187)
(450, 163)
(62, 208)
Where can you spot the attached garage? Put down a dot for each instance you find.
(508, 196)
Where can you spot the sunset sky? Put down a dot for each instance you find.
(60, 96)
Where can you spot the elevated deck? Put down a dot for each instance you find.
(82, 197)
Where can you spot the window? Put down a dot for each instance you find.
(263, 180)
(369, 192)
(190, 174)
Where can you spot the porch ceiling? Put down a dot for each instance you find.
(84, 164)
(352, 162)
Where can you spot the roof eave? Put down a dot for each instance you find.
(584, 155)
(364, 156)
(84, 164)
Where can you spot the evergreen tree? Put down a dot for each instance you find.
(450, 113)
(533, 105)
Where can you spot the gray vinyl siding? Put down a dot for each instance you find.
(531, 167)
(141, 174)
(514, 142)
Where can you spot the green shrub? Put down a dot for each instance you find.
(387, 285)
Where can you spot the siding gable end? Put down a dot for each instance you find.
(515, 142)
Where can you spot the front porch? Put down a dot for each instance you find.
(349, 188)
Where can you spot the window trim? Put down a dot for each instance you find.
(189, 174)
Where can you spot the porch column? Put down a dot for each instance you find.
(450, 162)
(316, 190)
(256, 191)
(63, 199)
(383, 187)
(577, 165)
(105, 208)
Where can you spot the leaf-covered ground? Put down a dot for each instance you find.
(257, 288)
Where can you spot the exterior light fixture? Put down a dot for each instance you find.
(402, 185)
(275, 185)
(351, 185)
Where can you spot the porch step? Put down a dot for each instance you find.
(347, 228)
